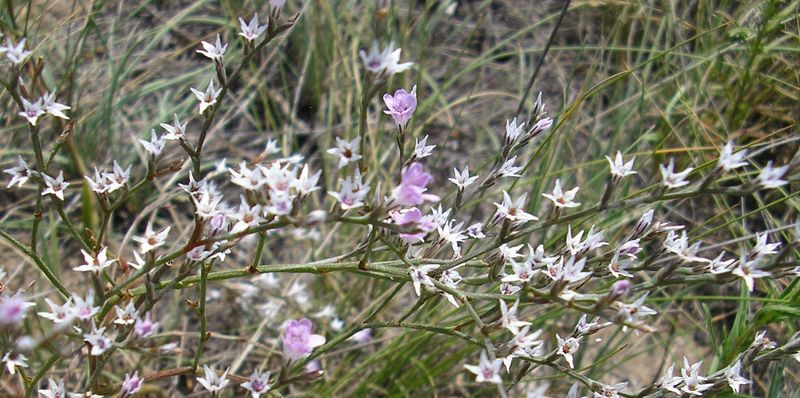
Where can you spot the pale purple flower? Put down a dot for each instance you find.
(95, 263)
(563, 198)
(630, 248)
(213, 51)
(513, 130)
(412, 188)
(13, 309)
(475, 231)
(401, 105)
(671, 179)
(198, 253)
(156, 144)
(384, 63)
(453, 233)
(728, 160)
(19, 173)
(670, 382)
(508, 289)
(507, 169)
(610, 391)
(644, 223)
(52, 107)
(313, 367)
(208, 98)
(567, 347)
(346, 151)
(83, 308)
(54, 390)
(620, 169)
(772, 177)
(16, 53)
(508, 317)
(514, 211)
(213, 382)
(61, 315)
(298, 341)
(463, 179)
(486, 371)
(14, 360)
(176, 130)
(127, 315)
(619, 288)
(145, 327)
(97, 339)
(55, 186)
(749, 271)
(734, 378)
(720, 266)
(523, 271)
(763, 247)
(151, 239)
(131, 385)
(419, 276)
(635, 311)
(251, 31)
(422, 149)
(217, 224)
(618, 266)
(413, 218)
(363, 336)
(275, 6)
(693, 382)
(257, 384)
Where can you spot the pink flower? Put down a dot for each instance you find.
(401, 106)
(131, 385)
(145, 327)
(363, 336)
(298, 340)
(13, 309)
(413, 218)
(411, 191)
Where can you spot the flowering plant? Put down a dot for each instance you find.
(340, 259)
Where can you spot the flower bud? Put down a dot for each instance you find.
(316, 217)
(217, 223)
(644, 223)
(619, 289)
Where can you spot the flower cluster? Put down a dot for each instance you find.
(526, 279)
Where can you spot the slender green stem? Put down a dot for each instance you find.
(262, 236)
(39, 263)
(77, 235)
(202, 314)
(34, 382)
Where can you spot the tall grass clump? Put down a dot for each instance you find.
(432, 198)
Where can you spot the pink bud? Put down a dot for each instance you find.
(619, 289)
